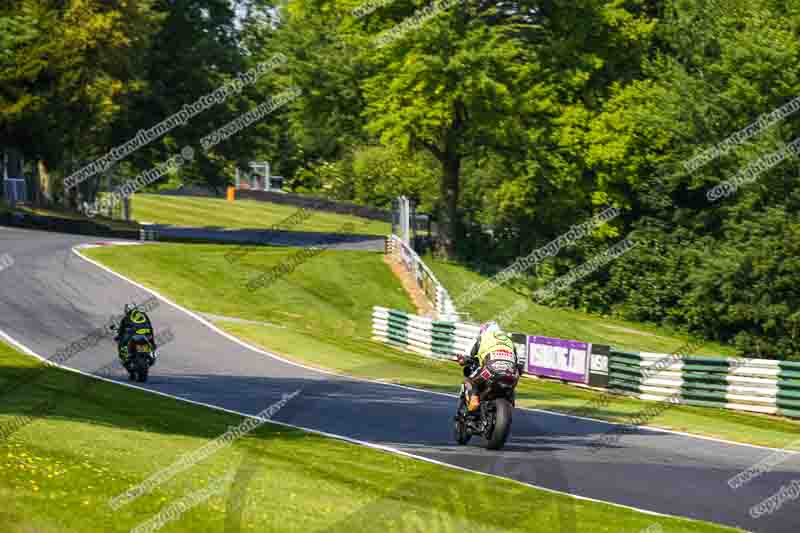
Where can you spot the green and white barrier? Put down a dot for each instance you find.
(756, 385)
(432, 338)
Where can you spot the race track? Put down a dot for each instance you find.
(51, 297)
(337, 241)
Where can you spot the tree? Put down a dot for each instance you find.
(454, 89)
(69, 73)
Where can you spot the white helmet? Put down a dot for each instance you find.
(490, 326)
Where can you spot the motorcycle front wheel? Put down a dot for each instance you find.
(460, 431)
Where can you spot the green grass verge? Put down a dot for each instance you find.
(217, 212)
(325, 306)
(98, 439)
(564, 323)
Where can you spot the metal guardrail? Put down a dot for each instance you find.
(424, 277)
(148, 234)
(15, 190)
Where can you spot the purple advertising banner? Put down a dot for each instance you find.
(558, 358)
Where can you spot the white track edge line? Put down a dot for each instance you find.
(350, 440)
(244, 344)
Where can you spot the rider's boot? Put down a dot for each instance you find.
(122, 352)
(474, 404)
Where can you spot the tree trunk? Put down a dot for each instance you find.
(48, 187)
(450, 158)
(450, 189)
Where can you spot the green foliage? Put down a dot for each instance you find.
(720, 269)
(745, 289)
(383, 173)
(374, 175)
(511, 122)
(69, 72)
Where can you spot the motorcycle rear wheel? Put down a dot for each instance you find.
(143, 374)
(139, 369)
(502, 424)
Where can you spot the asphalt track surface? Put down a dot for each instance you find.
(50, 297)
(339, 241)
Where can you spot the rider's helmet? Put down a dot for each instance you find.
(490, 326)
(134, 314)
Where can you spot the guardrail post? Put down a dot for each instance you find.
(148, 234)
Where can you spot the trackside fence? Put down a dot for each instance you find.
(432, 338)
(742, 384)
(400, 252)
(756, 385)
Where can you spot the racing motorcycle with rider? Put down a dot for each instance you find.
(491, 373)
(136, 343)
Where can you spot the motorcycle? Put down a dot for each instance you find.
(139, 357)
(500, 375)
(140, 353)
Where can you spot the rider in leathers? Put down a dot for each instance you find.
(134, 321)
(490, 339)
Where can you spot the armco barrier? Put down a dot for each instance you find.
(146, 234)
(288, 198)
(756, 385)
(313, 202)
(64, 225)
(435, 291)
(433, 338)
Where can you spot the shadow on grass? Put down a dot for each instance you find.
(362, 410)
(83, 399)
(545, 450)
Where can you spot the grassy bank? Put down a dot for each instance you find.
(563, 323)
(325, 308)
(190, 211)
(59, 467)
